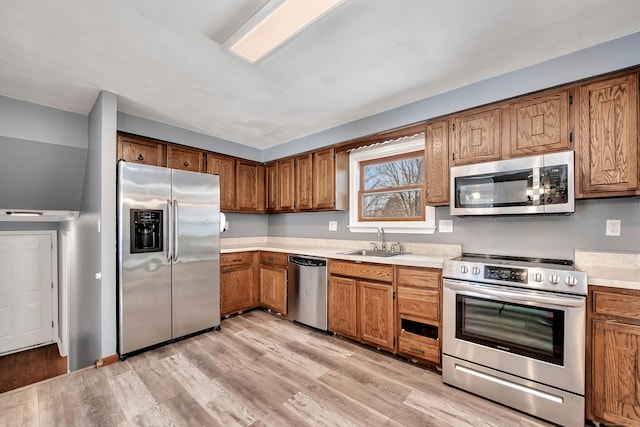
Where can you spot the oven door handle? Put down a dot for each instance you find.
(478, 290)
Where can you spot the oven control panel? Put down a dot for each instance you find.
(509, 274)
(543, 277)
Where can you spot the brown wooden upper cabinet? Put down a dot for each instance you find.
(475, 136)
(137, 149)
(304, 182)
(330, 180)
(226, 168)
(286, 185)
(437, 162)
(250, 190)
(607, 138)
(184, 158)
(272, 187)
(540, 124)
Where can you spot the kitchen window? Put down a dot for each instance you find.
(387, 183)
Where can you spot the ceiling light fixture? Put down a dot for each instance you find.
(274, 24)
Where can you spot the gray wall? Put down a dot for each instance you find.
(92, 301)
(246, 225)
(603, 58)
(550, 236)
(553, 236)
(42, 156)
(164, 132)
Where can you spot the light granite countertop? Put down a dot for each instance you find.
(616, 269)
(417, 254)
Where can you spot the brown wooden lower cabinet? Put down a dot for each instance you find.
(419, 313)
(238, 285)
(613, 356)
(360, 303)
(273, 281)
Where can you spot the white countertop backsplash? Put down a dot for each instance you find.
(617, 269)
(418, 254)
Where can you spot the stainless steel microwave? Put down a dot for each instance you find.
(529, 185)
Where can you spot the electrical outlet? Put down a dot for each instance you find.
(445, 226)
(613, 227)
(333, 225)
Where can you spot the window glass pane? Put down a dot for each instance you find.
(392, 204)
(398, 173)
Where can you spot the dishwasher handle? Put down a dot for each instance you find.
(308, 262)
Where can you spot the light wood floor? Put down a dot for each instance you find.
(258, 370)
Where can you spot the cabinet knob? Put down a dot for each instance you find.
(186, 164)
(140, 157)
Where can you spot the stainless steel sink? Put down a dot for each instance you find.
(369, 252)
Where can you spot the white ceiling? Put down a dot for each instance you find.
(164, 60)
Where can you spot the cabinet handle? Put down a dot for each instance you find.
(140, 157)
(415, 350)
(186, 164)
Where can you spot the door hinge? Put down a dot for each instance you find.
(394, 341)
(570, 136)
(52, 324)
(394, 294)
(453, 127)
(570, 99)
(454, 156)
(51, 285)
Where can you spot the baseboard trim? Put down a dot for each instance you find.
(108, 360)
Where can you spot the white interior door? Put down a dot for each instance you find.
(26, 294)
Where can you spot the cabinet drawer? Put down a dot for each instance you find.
(417, 346)
(617, 304)
(273, 258)
(236, 258)
(419, 304)
(383, 273)
(419, 277)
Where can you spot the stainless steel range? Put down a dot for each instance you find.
(514, 332)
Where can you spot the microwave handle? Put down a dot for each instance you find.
(515, 297)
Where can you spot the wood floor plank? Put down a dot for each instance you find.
(20, 408)
(260, 370)
(208, 393)
(135, 399)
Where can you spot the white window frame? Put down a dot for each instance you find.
(415, 143)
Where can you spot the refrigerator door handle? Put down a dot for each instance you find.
(176, 247)
(169, 231)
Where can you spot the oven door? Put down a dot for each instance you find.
(531, 334)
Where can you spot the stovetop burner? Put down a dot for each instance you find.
(519, 258)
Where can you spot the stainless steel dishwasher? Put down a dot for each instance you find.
(307, 299)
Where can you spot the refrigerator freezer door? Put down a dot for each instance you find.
(144, 284)
(196, 266)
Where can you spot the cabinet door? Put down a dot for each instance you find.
(324, 179)
(540, 124)
(342, 306)
(616, 377)
(476, 137)
(273, 288)
(184, 158)
(272, 187)
(304, 182)
(286, 184)
(141, 150)
(608, 137)
(437, 163)
(225, 167)
(376, 314)
(237, 290)
(249, 186)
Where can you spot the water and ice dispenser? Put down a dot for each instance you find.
(146, 230)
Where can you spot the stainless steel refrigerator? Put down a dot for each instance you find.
(168, 255)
